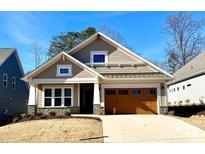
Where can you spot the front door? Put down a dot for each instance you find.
(86, 98)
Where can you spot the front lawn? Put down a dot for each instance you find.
(53, 131)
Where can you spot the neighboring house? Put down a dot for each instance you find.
(13, 91)
(188, 86)
(98, 76)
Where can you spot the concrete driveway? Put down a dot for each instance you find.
(148, 128)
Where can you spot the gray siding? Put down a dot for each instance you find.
(13, 99)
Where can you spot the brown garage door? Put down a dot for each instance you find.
(131, 101)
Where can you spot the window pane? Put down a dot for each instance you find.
(5, 77)
(123, 92)
(47, 102)
(110, 92)
(5, 83)
(57, 92)
(57, 102)
(67, 101)
(136, 92)
(67, 92)
(99, 58)
(150, 91)
(64, 71)
(48, 93)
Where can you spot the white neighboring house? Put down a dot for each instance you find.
(188, 86)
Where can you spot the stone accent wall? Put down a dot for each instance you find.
(31, 110)
(163, 109)
(58, 110)
(97, 109)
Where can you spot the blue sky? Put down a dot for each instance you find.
(142, 30)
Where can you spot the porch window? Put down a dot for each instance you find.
(47, 97)
(58, 97)
(67, 97)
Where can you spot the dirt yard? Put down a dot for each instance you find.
(197, 120)
(73, 130)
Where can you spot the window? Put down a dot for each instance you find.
(67, 97)
(123, 92)
(174, 89)
(58, 97)
(47, 97)
(64, 70)
(110, 92)
(136, 92)
(150, 91)
(98, 57)
(178, 88)
(188, 85)
(5, 80)
(183, 87)
(13, 82)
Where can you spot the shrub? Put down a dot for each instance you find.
(15, 119)
(172, 112)
(39, 114)
(25, 115)
(52, 113)
(67, 113)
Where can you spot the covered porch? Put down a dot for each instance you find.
(62, 96)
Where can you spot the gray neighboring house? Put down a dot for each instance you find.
(13, 91)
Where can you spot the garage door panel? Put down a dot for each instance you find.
(131, 101)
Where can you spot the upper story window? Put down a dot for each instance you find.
(13, 82)
(5, 80)
(99, 57)
(64, 70)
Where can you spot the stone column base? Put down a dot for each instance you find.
(163, 109)
(97, 109)
(31, 110)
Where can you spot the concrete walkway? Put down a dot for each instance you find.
(148, 128)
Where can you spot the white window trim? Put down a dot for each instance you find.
(53, 97)
(13, 82)
(4, 74)
(92, 53)
(64, 66)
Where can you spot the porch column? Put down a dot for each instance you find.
(32, 100)
(96, 100)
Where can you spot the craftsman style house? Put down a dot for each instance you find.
(98, 76)
(13, 91)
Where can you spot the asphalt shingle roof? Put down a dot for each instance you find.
(192, 68)
(5, 53)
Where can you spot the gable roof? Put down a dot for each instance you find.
(123, 49)
(5, 53)
(193, 68)
(54, 59)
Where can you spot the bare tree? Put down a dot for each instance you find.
(113, 34)
(186, 39)
(38, 54)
